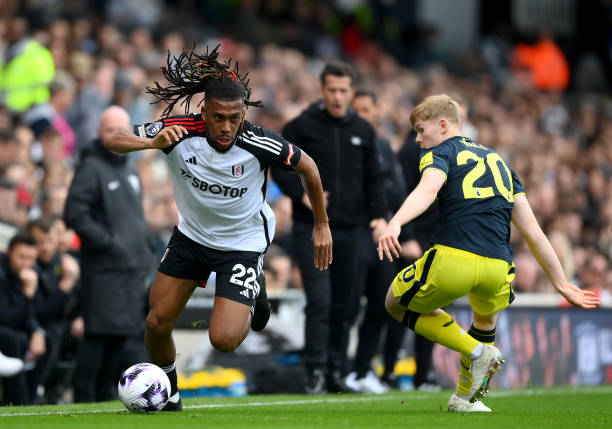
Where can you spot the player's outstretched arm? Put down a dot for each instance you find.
(123, 142)
(321, 234)
(414, 205)
(526, 222)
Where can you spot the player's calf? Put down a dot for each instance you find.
(229, 324)
(223, 341)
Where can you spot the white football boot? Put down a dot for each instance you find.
(351, 381)
(459, 404)
(372, 384)
(482, 369)
(368, 384)
(9, 366)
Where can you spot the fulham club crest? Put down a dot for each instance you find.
(237, 170)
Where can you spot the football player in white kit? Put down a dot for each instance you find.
(218, 163)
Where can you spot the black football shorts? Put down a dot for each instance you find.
(237, 271)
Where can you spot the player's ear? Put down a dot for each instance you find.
(443, 124)
(203, 110)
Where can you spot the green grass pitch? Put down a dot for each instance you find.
(525, 408)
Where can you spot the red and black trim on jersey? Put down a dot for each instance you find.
(266, 145)
(193, 123)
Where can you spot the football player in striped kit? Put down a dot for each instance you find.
(219, 164)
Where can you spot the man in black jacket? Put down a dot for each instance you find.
(374, 275)
(342, 145)
(57, 275)
(104, 207)
(20, 333)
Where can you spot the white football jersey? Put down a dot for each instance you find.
(221, 197)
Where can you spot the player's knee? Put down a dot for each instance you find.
(396, 313)
(389, 306)
(393, 307)
(222, 342)
(157, 325)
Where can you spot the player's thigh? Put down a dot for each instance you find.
(435, 280)
(168, 297)
(494, 289)
(180, 269)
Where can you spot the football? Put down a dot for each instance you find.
(144, 388)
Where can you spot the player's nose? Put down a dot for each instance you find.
(226, 127)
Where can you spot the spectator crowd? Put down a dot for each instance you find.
(558, 142)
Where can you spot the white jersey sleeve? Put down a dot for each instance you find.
(269, 147)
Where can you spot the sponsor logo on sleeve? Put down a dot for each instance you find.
(154, 128)
(141, 131)
(426, 161)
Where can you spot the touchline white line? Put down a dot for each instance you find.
(408, 396)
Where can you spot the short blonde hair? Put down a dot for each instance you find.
(436, 106)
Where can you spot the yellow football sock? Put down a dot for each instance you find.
(443, 330)
(465, 377)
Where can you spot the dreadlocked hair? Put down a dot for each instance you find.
(191, 73)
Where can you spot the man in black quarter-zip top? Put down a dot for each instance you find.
(342, 145)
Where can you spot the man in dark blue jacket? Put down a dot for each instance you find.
(104, 207)
(343, 146)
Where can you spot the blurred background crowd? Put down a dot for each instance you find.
(535, 83)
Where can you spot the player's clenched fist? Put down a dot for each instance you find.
(168, 136)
